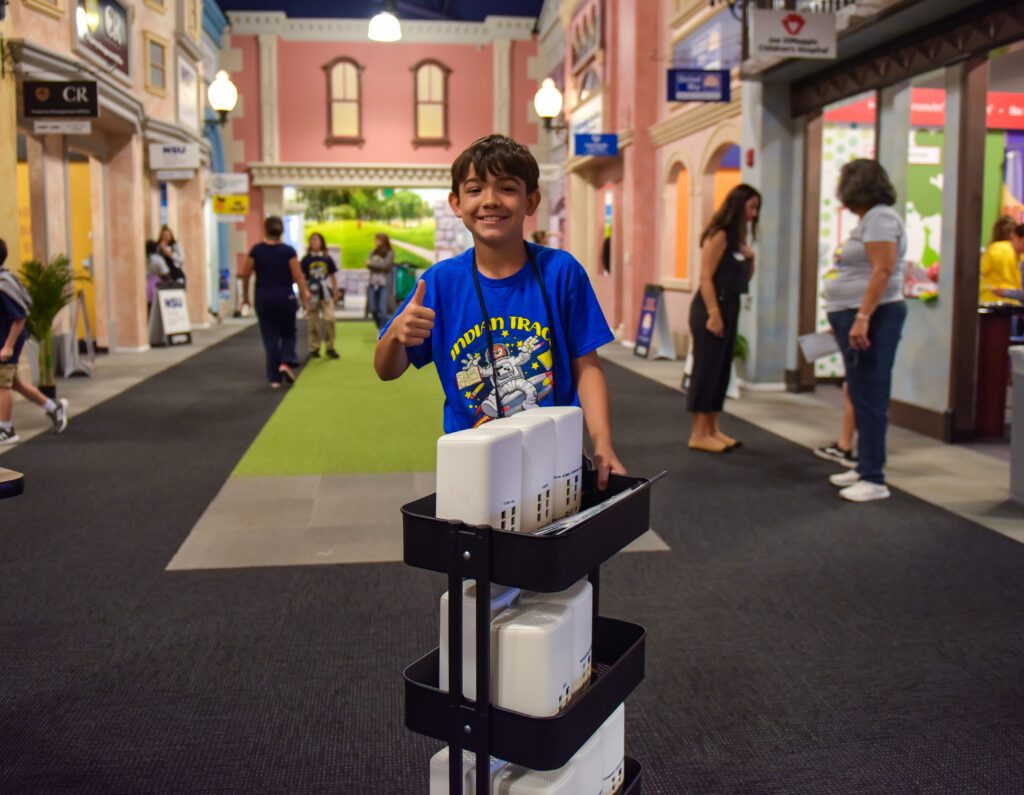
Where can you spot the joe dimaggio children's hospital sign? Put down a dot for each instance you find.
(791, 34)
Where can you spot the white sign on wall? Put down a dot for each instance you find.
(792, 34)
(229, 184)
(188, 94)
(173, 156)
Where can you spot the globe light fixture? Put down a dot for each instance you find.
(548, 103)
(385, 26)
(223, 96)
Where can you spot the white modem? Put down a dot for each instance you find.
(439, 772)
(568, 484)
(516, 780)
(538, 466)
(588, 763)
(501, 599)
(533, 668)
(579, 599)
(479, 477)
(613, 751)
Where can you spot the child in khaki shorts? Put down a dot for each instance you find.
(14, 306)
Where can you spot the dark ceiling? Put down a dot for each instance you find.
(463, 10)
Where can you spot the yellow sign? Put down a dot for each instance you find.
(231, 205)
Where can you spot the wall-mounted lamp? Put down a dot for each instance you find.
(385, 25)
(223, 96)
(548, 104)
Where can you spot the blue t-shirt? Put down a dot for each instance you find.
(10, 311)
(273, 275)
(523, 364)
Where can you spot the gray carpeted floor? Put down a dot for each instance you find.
(796, 643)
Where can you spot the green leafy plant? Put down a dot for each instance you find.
(741, 349)
(51, 289)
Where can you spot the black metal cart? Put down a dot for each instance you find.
(546, 563)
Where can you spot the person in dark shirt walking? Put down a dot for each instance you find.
(276, 266)
(319, 269)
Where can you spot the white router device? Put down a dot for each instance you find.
(613, 751)
(479, 476)
(538, 466)
(516, 780)
(501, 599)
(439, 772)
(533, 667)
(579, 600)
(568, 486)
(588, 763)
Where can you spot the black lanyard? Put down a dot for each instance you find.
(487, 324)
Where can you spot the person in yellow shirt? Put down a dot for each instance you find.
(1000, 264)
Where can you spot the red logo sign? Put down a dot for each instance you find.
(793, 23)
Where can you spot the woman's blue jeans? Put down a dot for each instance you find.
(378, 298)
(869, 380)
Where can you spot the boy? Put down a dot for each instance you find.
(538, 344)
(14, 306)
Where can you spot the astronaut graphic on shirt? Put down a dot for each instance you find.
(509, 373)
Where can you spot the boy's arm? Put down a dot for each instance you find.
(412, 327)
(7, 351)
(593, 389)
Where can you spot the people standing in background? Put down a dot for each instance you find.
(1000, 264)
(157, 271)
(172, 254)
(726, 267)
(319, 269)
(841, 451)
(381, 262)
(276, 266)
(866, 311)
(15, 304)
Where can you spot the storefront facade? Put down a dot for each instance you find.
(95, 197)
(931, 95)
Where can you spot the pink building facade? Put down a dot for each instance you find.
(321, 106)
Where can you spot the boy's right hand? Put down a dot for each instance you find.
(416, 321)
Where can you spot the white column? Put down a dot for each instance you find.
(268, 98)
(893, 144)
(502, 49)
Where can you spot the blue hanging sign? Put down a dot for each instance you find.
(698, 85)
(597, 144)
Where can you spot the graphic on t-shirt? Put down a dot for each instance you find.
(519, 369)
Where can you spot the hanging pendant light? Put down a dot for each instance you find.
(385, 26)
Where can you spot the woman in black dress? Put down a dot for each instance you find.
(726, 265)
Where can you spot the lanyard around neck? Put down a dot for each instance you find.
(489, 355)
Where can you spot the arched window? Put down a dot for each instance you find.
(431, 109)
(589, 86)
(344, 102)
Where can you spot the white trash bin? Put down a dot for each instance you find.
(1017, 426)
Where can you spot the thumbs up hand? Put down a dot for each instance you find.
(416, 321)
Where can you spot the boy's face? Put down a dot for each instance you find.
(493, 208)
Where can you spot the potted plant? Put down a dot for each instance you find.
(50, 287)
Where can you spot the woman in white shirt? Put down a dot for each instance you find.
(866, 311)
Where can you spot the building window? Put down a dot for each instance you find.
(589, 86)
(159, 5)
(344, 106)
(431, 108)
(193, 17)
(156, 63)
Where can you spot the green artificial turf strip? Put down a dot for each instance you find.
(357, 239)
(339, 417)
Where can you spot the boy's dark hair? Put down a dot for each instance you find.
(273, 226)
(3, 252)
(496, 156)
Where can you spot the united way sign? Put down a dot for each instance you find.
(698, 85)
(597, 144)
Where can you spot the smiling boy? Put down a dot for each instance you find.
(508, 325)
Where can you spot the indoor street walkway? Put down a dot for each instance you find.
(796, 643)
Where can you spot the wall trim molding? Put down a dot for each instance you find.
(695, 118)
(937, 424)
(365, 175)
(414, 31)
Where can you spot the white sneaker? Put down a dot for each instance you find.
(844, 479)
(9, 435)
(59, 416)
(865, 491)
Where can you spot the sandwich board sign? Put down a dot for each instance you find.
(169, 322)
(652, 329)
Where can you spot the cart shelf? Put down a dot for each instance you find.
(521, 560)
(536, 743)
